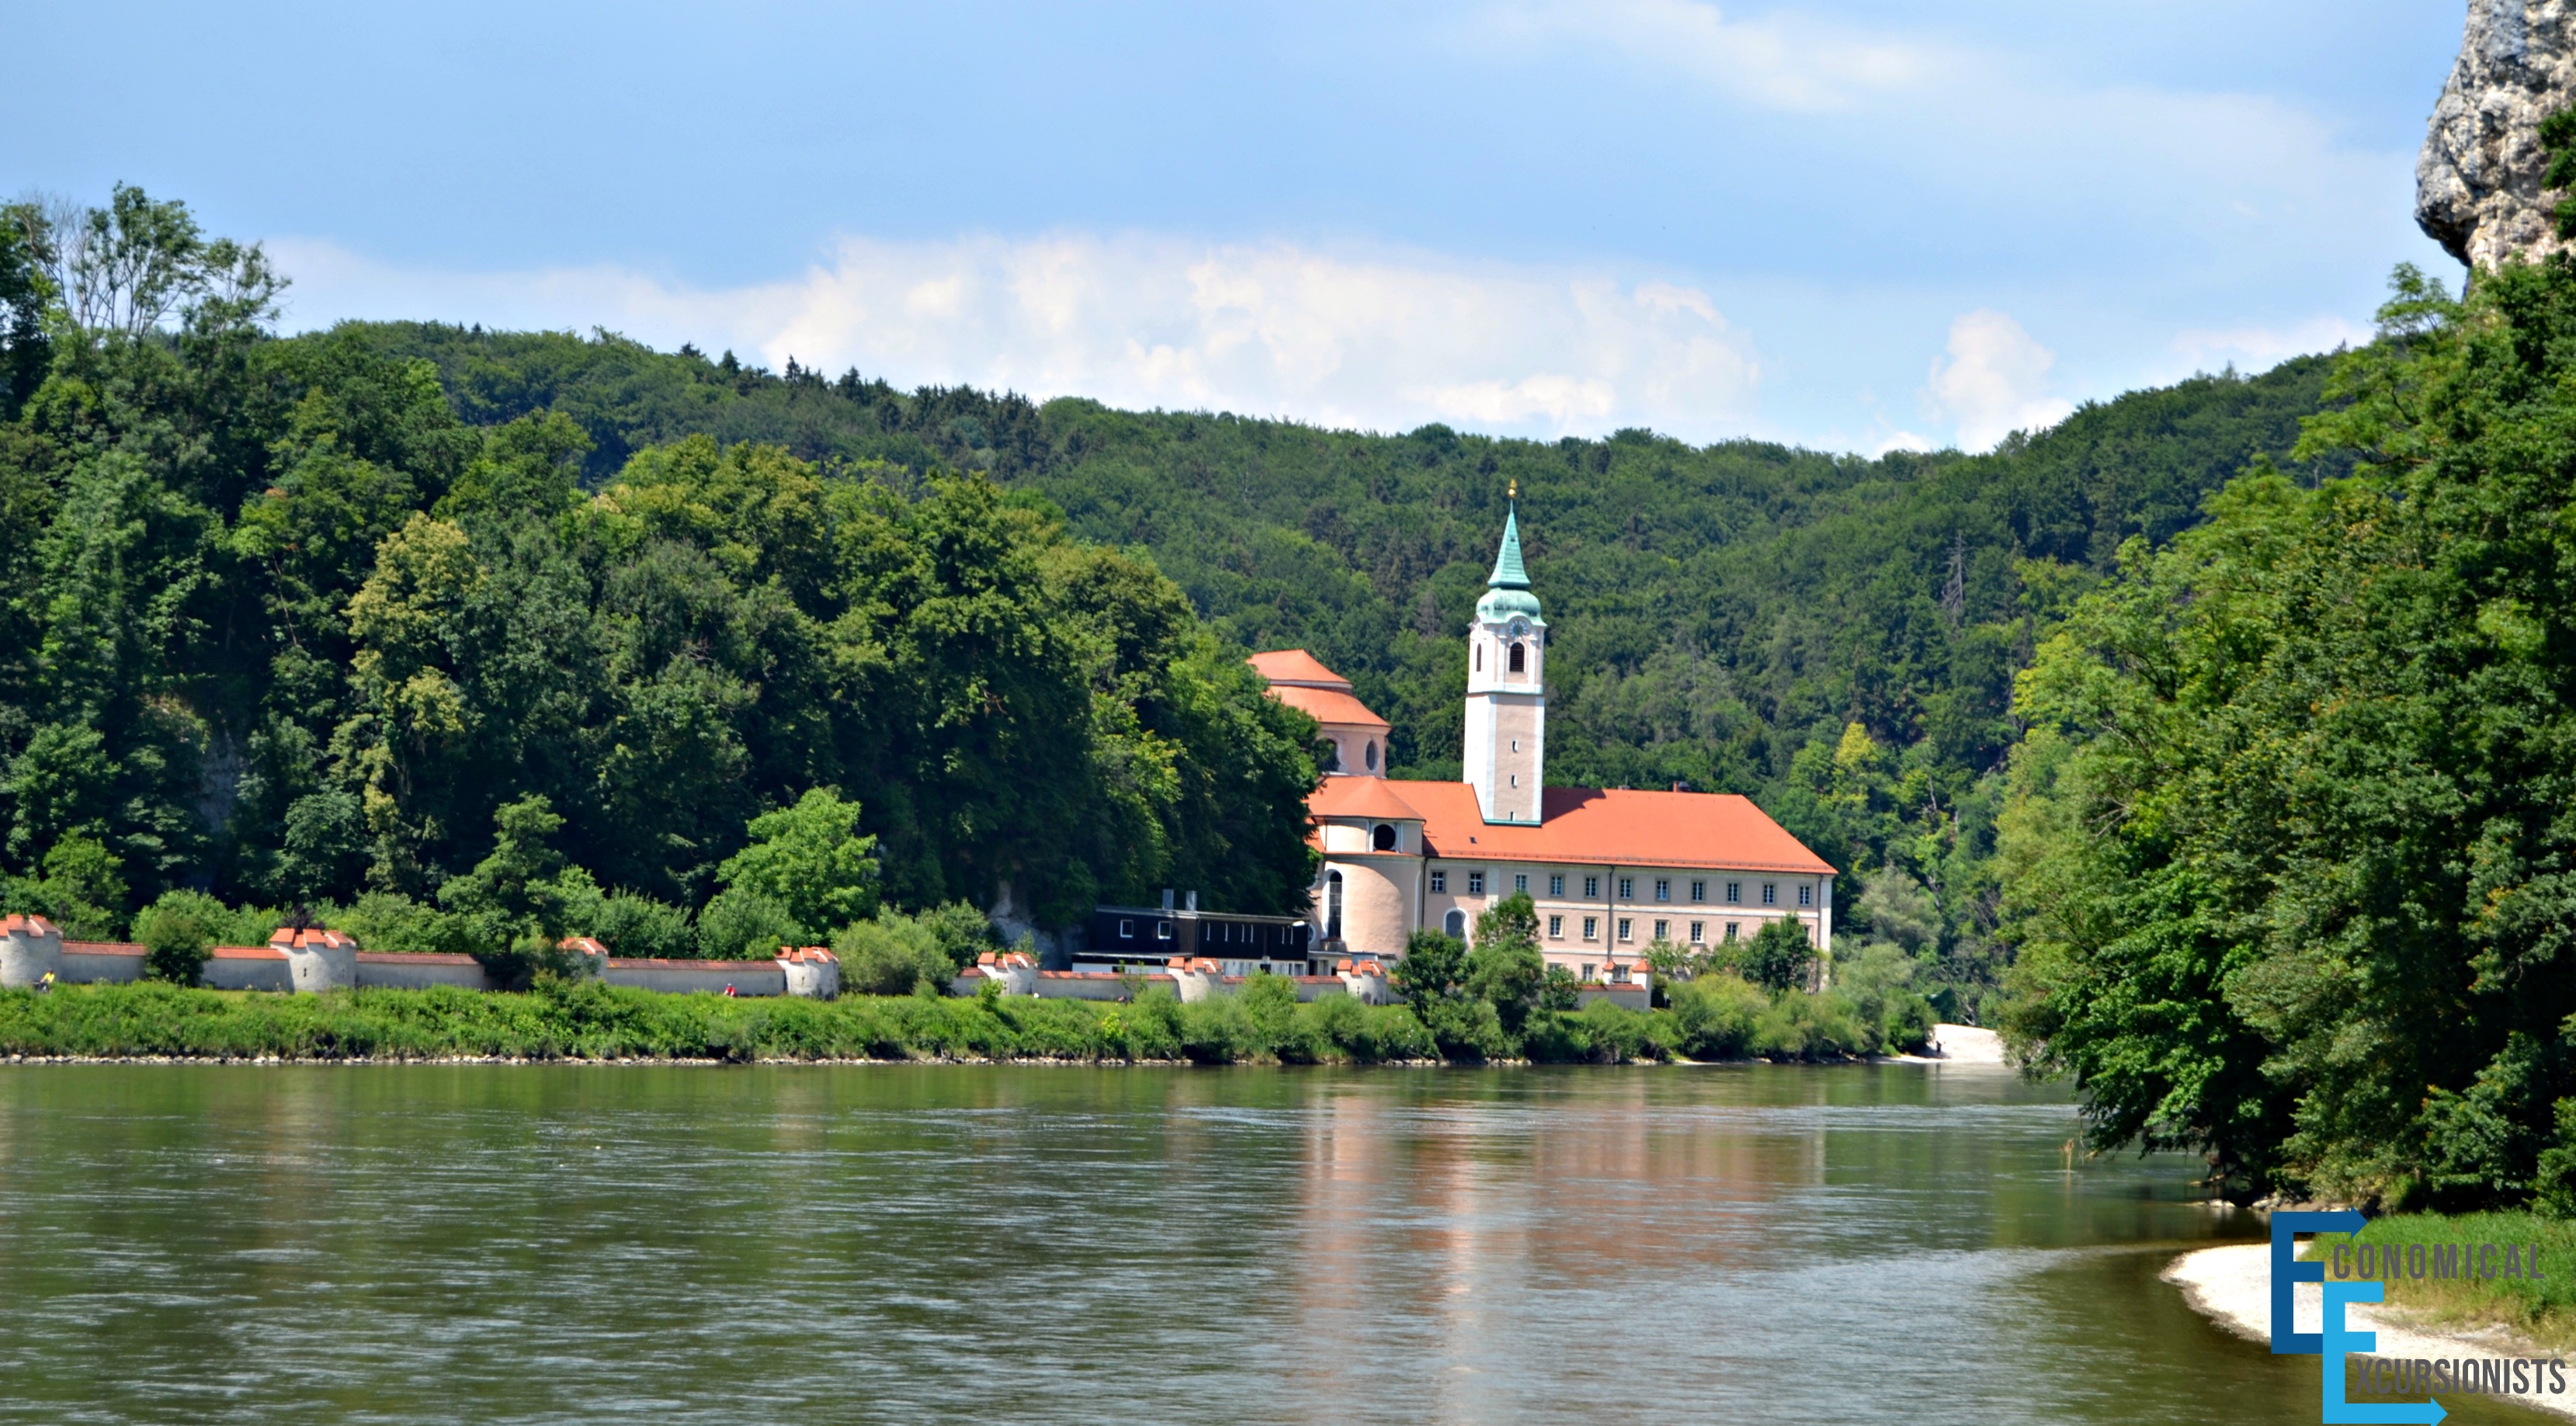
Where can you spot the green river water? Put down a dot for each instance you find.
(940, 1243)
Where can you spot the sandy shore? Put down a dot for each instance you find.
(1967, 1045)
(2233, 1285)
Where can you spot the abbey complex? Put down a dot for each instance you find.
(1610, 870)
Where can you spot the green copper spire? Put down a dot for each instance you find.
(1509, 573)
(1508, 596)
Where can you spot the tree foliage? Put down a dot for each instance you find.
(1723, 617)
(296, 621)
(2289, 851)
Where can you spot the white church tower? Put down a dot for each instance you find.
(1507, 688)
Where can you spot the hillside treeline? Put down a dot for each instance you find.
(2291, 857)
(285, 627)
(1835, 636)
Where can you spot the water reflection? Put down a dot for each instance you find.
(942, 1243)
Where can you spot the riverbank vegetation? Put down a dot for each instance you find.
(558, 1019)
(2536, 1304)
(2288, 853)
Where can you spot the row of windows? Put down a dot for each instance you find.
(1214, 933)
(1627, 927)
(1627, 888)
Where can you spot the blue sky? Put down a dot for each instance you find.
(1849, 225)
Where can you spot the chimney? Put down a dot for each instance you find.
(1167, 898)
(1194, 901)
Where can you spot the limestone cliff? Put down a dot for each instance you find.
(2477, 184)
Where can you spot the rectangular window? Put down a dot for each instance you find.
(1126, 930)
(1591, 928)
(1556, 928)
(1591, 887)
(1587, 970)
(1520, 881)
(1476, 883)
(1699, 891)
(1734, 893)
(1730, 930)
(1627, 888)
(1162, 930)
(1806, 896)
(1770, 893)
(1663, 930)
(1440, 881)
(1627, 929)
(1663, 888)
(1556, 884)
(1699, 932)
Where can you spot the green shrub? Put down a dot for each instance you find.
(631, 925)
(892, 954)
(742, 925)
(1799, 1026)
(1219, 1031)
(1878, 980)
(178, 933)
(390, 921)
(1715, 1016)
(1779, 956)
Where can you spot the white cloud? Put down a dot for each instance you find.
(1380, 341)
(1781, 62)
(1993, 381)
(1988, 126)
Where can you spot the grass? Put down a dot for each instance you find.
(590, 1020)
(2541, 1312)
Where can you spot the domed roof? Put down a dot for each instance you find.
(1501, 604)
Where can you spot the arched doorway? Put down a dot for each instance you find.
(1456, 924)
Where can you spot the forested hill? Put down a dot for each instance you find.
(1722, 615)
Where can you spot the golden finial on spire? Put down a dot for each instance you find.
(1513, 491)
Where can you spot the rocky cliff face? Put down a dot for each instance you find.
(2477, 184)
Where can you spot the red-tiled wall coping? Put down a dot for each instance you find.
(1101, 975)
(651, 963)
(102, 948)
(246, 953)
(416, 958)
(289, 937)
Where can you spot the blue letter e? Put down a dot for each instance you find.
(2286, 1269)
(2337, 1340)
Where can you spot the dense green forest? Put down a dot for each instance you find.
(1834, 636)
(284, 628)
(2289, 850)
(301, 617)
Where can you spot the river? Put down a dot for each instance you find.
(800, 1244)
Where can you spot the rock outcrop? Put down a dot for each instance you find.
(2477, 183)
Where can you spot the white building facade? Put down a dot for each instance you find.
(1611, 871)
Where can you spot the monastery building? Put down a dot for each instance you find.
(1611, 870)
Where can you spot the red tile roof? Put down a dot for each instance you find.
(1327, 705)
(1296, 666)
(246, 953)
(36, 926)
(414, 958)
(1591, 826)
(1372, 797)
